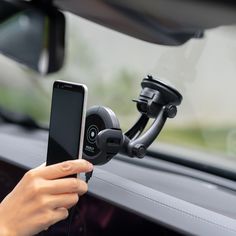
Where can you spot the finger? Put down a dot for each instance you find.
(66, 185)
(58, 215)
(63, 200)
(64, 169)
(41, 166)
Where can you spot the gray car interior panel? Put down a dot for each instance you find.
(161, 207)
(170, 199)
(179, 14)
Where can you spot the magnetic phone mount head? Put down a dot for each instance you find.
(101, 120)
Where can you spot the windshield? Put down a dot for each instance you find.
(112, 65)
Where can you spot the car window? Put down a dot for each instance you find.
(112, 65)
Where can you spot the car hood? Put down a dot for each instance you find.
(166, 22)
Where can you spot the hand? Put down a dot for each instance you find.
(42, 198)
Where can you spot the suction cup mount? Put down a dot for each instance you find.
(157, 101)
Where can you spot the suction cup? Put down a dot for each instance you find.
(168, 94)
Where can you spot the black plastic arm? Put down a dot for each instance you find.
(138, 127)
(144, 141)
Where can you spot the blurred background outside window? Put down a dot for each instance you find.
(112, 65)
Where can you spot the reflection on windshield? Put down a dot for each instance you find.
(112, 65)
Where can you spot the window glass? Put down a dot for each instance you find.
(113, 65)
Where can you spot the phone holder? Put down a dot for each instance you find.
(103, 136)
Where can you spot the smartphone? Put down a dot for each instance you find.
(67, 122)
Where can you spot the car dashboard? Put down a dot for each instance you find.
(129, 196)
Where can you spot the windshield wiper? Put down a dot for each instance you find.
(19, 119)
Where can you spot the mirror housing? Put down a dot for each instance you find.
(32, 35)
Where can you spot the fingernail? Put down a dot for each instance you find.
(90, 166)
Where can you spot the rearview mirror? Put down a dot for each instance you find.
(32, 35)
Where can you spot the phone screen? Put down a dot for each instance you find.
(65, 123)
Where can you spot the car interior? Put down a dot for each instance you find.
(169, 63)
